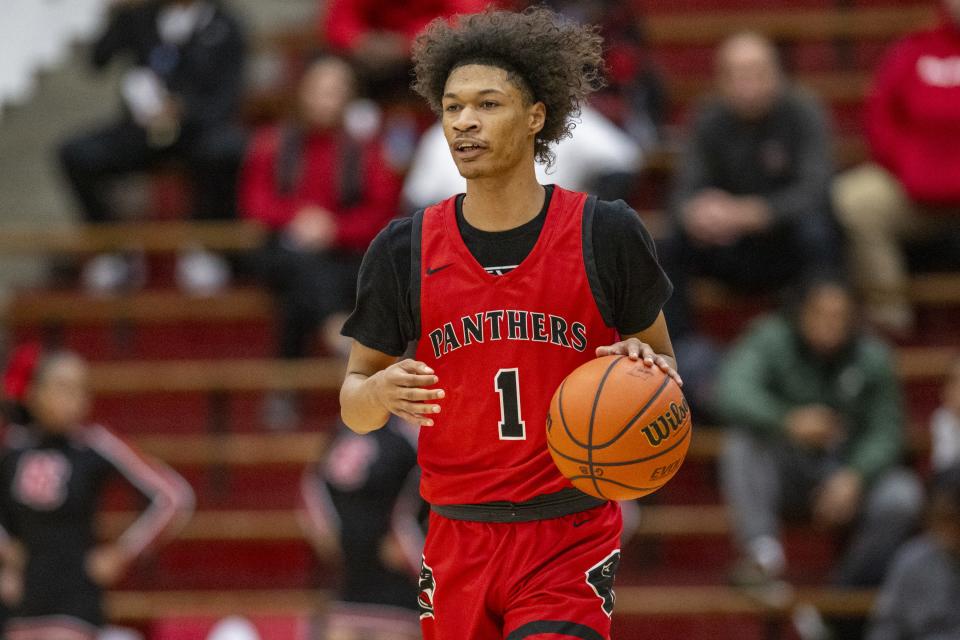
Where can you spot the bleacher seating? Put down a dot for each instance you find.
(787, 23)
(631, 601)
(185, 381)
(151, 237)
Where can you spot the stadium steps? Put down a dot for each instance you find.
(787, 24)
(325, 374)
(166, 324)
(284, 524)
(219, 395)
(702, 26)
(631, 601)
(253, 304)
(151, 237)
(249, 450)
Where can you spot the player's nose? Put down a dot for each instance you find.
(467, 120)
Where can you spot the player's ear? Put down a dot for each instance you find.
(536, 116)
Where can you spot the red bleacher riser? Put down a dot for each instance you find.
(654, 7)
(716, 627)
(261, 487)
(683, 61)
(191, 564)
(177, 341)
(291, 564)
(188, 412)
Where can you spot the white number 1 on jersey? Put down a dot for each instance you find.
(507, 385)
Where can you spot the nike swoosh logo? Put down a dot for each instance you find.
(431, 271)
(582, 522)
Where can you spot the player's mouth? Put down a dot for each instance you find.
(468, 149)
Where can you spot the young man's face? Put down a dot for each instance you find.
(60, 398)
(827, 320)
(325, 92)
(748, 76)
(489, 126)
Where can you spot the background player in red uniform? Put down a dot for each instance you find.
(505, 289)
(52, 476)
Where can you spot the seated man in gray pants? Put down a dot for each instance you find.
(817, 430)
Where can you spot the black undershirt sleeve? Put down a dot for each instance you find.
(382, 318)
(633, 283)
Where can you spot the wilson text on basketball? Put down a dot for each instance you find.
(666, 423)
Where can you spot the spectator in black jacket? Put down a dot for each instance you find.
(180, 100)
(751, 202)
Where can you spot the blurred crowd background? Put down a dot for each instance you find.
(187, 188)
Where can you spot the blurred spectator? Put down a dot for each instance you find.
(53, 474)
(598, 158)
(816, 430)
(324, 194)
(919, 598)
(180, 100)
(913, 190)
(377, 34)
(750, 201)
(634, 98)
(945, 424)
(364, 502)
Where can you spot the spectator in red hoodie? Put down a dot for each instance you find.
(324, 193)
(913, 127)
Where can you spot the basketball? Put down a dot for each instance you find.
(617, 428)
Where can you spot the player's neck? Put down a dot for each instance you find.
(503, 202)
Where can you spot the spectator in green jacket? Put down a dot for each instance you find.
(817, 430)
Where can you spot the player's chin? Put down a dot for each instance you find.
(473, 170)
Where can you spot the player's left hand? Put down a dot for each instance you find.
(107, 563)
(635, 350)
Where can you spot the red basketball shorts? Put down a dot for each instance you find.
(543, 580)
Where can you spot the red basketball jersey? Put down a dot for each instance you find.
(500, 346)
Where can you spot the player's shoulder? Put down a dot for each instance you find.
(394, 238)
(616, 221)
(615, 213)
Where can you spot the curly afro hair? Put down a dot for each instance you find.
(549, 58)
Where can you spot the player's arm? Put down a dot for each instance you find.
(652, 344)
(377, 385)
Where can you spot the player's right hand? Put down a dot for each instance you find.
(400, 389)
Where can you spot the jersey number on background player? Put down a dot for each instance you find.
(507, 384)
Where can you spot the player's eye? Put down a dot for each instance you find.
(452, 108)
(488, 104)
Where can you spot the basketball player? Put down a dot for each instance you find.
(362, 500)
(53, 474)
(506, 289)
